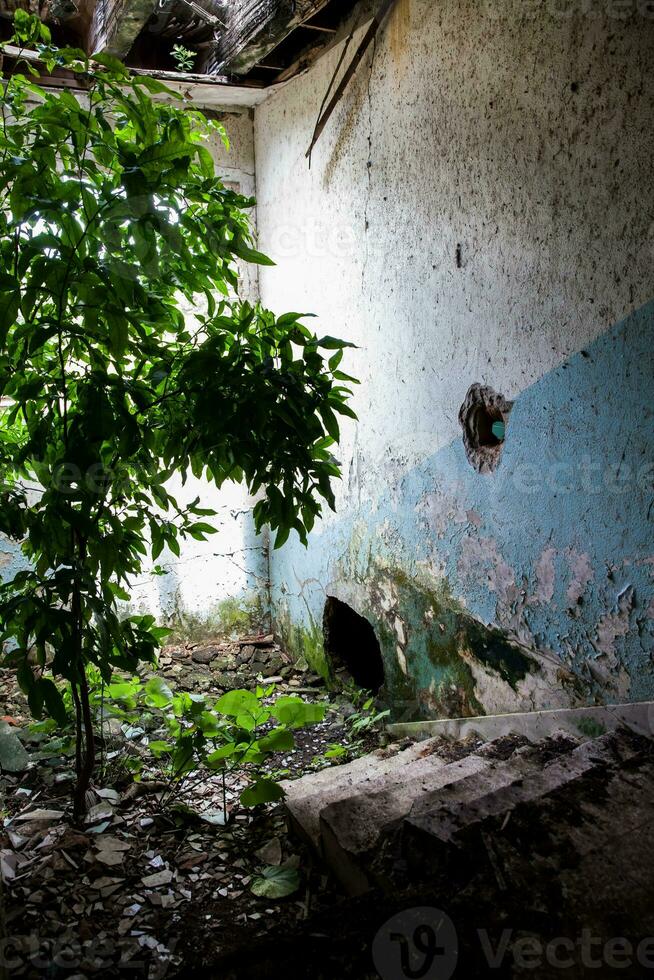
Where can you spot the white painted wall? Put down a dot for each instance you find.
(232, 564)
(461, 128)
(479, 208)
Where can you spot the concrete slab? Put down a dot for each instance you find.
(437, 822)
(353, 828)
(537, 725)
(306, 797)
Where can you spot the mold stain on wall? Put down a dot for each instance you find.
(487, 163)
(526, 588)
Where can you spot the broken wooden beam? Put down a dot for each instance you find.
(368, 38)
(205, 91)
(313, 50)
(115, 24)
(253, 28)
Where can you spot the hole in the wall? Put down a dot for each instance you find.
(352, 646)
(484, 416)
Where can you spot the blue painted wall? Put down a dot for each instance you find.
(556, 548)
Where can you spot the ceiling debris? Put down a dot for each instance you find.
(253, 43)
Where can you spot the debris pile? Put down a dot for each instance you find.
(139, 888)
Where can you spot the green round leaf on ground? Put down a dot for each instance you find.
(276, 882)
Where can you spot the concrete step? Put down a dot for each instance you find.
(536, 725)
(352, 828)
(440, 823)
(308, 796)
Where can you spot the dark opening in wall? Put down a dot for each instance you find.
(351, 645)
(483, 417)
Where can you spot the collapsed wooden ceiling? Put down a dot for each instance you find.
(251, 42)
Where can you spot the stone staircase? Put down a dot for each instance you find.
(436, 800)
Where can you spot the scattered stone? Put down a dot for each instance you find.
(212, 855)
(13, 757)
(204, 655)
(270, 853)
(158, 879)
(257, 641)
(43, 816)
(229, 681)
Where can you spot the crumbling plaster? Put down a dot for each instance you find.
(479, 209)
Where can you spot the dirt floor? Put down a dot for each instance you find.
(145, 891)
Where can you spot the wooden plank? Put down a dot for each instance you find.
(116, 24)
(362, 14)
(253, 28)
(204, 91)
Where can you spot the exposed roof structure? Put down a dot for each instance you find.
(252, 43)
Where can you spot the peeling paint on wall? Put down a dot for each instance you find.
(581, 574)
(491, 195)
(545, 574)
(514, 568)
(613, 625)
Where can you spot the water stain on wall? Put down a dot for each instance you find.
(527, 588)
(399, 33)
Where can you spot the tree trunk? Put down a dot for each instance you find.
(88, 762)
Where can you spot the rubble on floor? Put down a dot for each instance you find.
(138, 890)
(516, 845)
(508, 841)
(234, 664)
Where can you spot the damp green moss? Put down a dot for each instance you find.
(439, 683)
(440, 639)
(492, 648)
(228, 619)
(303, 643)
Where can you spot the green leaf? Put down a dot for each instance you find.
(262, 791)
(208, 723)
(333, 343)
(278, 740)
(155, 87)
(296, 713)
(237, 703)
(218, 758)
(159, 748)
(108, 61)
(282, 537)
(157, 693)
(249, 254)
(121, 690)
(54, 702)
(275, 882)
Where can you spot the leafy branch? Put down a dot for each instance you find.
(112, 219)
